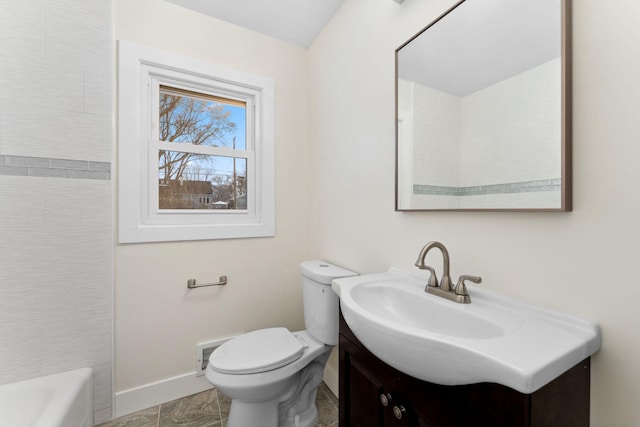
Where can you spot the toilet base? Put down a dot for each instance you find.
(244, 414)
(295, 408)
(299, 409)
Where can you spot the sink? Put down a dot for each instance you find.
(493, 339)
(395, 302)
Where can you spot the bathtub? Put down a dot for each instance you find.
(59, 400)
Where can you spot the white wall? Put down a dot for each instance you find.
(438, 126)
(582, 262)
(511, 131)
(158, 320)
(56, 130)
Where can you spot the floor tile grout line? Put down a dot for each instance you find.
(321, 390)
(326, 394)
(219, 408)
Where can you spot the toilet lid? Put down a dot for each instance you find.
(258, 351)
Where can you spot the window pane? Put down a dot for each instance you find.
(200, 119)
(197, 181)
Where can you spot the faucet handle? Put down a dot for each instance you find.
(461, 288)
(433, 280)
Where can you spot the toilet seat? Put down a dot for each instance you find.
(257, 351)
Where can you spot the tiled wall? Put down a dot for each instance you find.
(464, 151)
(506, 188)
(511, 131)
(54, 168)
(56, 137)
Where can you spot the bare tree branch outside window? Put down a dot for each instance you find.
(201, 121)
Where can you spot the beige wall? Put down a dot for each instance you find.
(583, 262)
(339, 206)
(159, 321)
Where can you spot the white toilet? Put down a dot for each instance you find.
(272, 375)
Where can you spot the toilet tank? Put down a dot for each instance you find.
(321, 304)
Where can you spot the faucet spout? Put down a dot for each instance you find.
(445, 282)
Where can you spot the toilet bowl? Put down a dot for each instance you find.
(272, 375)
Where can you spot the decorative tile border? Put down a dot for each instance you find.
(54, 168)
(512, 187)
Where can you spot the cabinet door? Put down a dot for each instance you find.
(425, 406)
(433, 405)
(363, 380)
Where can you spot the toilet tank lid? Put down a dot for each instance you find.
(323, 272)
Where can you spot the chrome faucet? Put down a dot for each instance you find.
(444, 288)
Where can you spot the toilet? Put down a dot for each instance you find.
(272, 374)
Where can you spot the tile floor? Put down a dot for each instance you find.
(210, 409)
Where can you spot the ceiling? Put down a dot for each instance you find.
(294, 21)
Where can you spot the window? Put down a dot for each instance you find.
(196, 149)
(193, 122)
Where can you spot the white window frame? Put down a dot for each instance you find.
(141, 71)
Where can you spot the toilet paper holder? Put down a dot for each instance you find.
(191, 283)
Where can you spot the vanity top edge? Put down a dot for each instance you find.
(500, 339)
(478, 294)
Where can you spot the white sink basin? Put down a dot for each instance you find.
(493, 339)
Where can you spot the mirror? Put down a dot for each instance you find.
(483, 109)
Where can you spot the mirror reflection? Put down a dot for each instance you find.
(482, 118)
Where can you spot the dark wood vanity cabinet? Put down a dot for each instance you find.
(372, 394)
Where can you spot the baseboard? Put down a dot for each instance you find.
(143, 397)
(330, 378)
(148, 395)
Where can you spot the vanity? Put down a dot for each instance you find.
(374, 394)
(409, 357)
